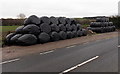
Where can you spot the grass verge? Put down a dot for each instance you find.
(5, 30)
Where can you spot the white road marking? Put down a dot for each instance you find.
(9, 61)
(71, 46)
(79, 65)
(118, 46)
(98, 40)
(47, 52)
(86, 43)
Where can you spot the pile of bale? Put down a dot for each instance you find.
(45, 29)
(102, 25)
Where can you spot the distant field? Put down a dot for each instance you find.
(8, 28)
(85, 25)
(5, 30)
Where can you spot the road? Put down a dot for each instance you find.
(97, 56)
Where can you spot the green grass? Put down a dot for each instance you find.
(1, 40)
(7, 28)
(4, 30)
(85, 26)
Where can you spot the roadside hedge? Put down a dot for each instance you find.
(116, 21)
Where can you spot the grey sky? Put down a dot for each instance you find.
(119, 8)
(68, 8)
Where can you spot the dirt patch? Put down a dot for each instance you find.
(18, 51)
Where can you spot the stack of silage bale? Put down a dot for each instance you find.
(45, 29)
(102, 25)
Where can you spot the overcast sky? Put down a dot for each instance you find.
(67, 8)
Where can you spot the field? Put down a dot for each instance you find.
(8, 28)
(4, 31)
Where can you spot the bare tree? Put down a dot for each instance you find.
(21, 16)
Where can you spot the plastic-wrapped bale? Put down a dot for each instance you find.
(84, 31)
(15, 38)
(103, 29)
(62, 35)
(99, 20)
(110, 29)
(19, 30)
(102, 19)
(96, 24)
(45, 28)
(79, 27)
(93, 29)
(54, 36)
(74, 33)
(105, 19)
(31, 29)
(113, 27)
(73, 21)
(98, 30)
(8, 37)
(68, 20)
(106, 24)
(43, 37)
(61, 20)
(62, 27)
(54, 27)
(27, 39)
(79, 33)
(68, 27)
(54, 20)
(99, 24)
(88, 28)
(45, 19)
(110, 23)
(74, 27)
(92, 24)
(69, 34)
(33, 19)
